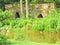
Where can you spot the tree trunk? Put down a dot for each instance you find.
(21, 7)
(27, 13)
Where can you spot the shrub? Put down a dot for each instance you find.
(53, 23)
(3, 40)
(1, 24)
(38, 25)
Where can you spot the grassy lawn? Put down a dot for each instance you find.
(25, 42)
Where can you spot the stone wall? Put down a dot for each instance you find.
(43, 8)
(36, 9)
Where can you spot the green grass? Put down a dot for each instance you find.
(26, 42)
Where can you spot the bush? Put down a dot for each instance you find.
(3, 40)
(38, 25)
(5, 15)
(1, 24)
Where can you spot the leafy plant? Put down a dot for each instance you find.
(3, 40)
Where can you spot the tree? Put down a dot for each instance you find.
(21, 6)
(27, 13)
(2, 5)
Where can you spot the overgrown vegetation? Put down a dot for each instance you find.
(17, 27)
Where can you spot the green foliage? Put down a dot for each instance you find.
(18, 26)
(22, 16)
(38, 25)
(48, 0)
(1, 24)
(18, 34)
(31, 16)
(3, 40)
(53, 24)
(48, 23)
(5, 15)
